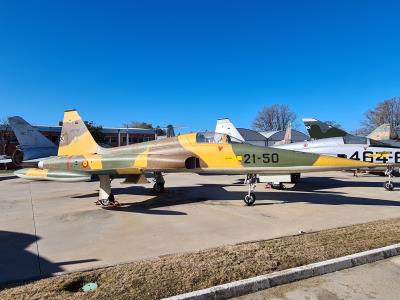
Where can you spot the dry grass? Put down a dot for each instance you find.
(179, 273)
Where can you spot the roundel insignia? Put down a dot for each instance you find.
(85, 164)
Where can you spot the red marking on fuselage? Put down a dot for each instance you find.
(69, 162)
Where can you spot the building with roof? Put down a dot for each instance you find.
(113, 137)
(269, 138)
(279, 135)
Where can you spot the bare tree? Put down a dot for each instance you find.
(96, 131)
(274, 117)
(145, 125)
(6, 136)
(138, 124)
(387, 111)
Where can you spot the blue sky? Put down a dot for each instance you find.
(191, 62)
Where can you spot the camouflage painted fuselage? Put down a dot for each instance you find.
(186, 154)
(79, 156)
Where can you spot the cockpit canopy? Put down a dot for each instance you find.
(211, 137)
(351, 139)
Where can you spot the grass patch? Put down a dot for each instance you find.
(179, 273)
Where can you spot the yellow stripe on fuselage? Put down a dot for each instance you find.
(141, 160)
(94, 161)
(324, 161)
(36, 172)
(128, 171)
(214, 155)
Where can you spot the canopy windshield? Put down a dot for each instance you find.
(211, 137)
(376, 143)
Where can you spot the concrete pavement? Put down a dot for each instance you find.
(379, 280)
(50, 227)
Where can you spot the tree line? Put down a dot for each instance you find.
(277, 117)
(273, 117)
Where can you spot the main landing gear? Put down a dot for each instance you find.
(388, 185)
(158, 186)
(106, 197)
(250, 198)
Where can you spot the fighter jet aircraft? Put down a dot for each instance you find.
(321, 130)
(79, 157)
(33, 145)
(344, 146)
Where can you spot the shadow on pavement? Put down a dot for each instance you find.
(213, 192)
(313, 190)
(18, 263)
(8, 177)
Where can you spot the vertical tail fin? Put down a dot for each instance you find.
(75, 137)
(288, 134)
(287, 139)
(28, 136)
(320, 130)
(225, 126)
(380, 133)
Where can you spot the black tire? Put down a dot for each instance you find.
(111, 198)
(388, 186)
(158, 187)
(279, 186)
(250, 199)
(106, 202)
(295, 178)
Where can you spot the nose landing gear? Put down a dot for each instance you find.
(250, 198)
(106, 197)
(388, 185)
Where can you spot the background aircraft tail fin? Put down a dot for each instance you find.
(225, 126)
(320, 130)
(28, 136)
(287, 139)
(380, 133)
(75, 137)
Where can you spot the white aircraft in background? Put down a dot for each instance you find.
(348, 146)
(33, 145)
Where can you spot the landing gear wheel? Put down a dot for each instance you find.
(388, 186)
(109, 202)
(250, 199)
(158, 187)
(278, 186)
